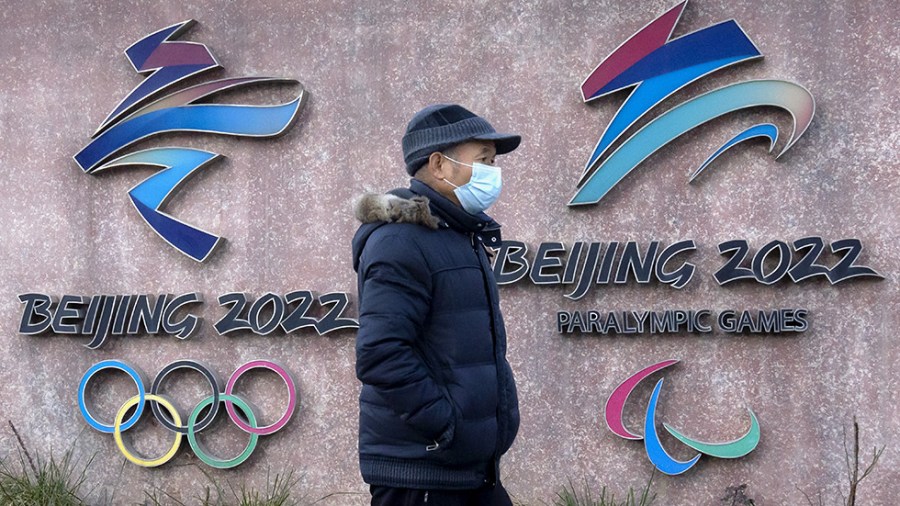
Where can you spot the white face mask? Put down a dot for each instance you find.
(482, 189)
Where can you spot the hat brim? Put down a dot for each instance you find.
(503, 142)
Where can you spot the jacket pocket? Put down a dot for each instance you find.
(474, 441)
(445, 438)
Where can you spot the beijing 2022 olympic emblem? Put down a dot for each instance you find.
(652, 444)
(656, 66)
(144, 113)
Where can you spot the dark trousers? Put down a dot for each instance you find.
(488, 495)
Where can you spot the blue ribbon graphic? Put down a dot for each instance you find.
(134, 120)
(785, 95)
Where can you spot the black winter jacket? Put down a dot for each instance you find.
(438, 405)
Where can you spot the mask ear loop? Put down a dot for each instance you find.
(455, 161)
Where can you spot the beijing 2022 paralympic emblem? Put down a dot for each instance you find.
(656, 66)
(171, 419)
(143, 113)
(655, 451)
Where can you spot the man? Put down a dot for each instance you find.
(438, 405)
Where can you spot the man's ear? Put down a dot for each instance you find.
(437, 166)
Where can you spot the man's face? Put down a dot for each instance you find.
(457, 173)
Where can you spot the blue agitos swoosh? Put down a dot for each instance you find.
(656, 67)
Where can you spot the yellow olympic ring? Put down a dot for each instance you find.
(129, 452)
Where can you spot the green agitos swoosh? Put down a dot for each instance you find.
(729, 450)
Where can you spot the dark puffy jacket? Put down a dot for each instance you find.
(438, 404)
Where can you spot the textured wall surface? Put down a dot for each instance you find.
(285, 207)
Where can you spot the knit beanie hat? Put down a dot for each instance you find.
(440, 126)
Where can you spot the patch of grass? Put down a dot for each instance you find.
(570, 496)
(279, 491)
(32, 481)
(41, 482)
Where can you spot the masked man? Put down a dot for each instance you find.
(438, 406)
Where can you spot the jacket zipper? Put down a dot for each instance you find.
(487, 291)
(487, 288)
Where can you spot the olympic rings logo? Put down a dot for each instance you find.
(168, 416)
(655, 451)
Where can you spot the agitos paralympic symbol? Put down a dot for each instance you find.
(143, 114)
(247, 420)
(655, 451)
(656, 67)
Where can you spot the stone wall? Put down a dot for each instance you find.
(285, 207)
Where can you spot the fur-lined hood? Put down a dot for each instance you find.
(421, 205)
(373, 207)
(375, 210)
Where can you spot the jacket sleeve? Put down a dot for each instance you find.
(395, 297)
